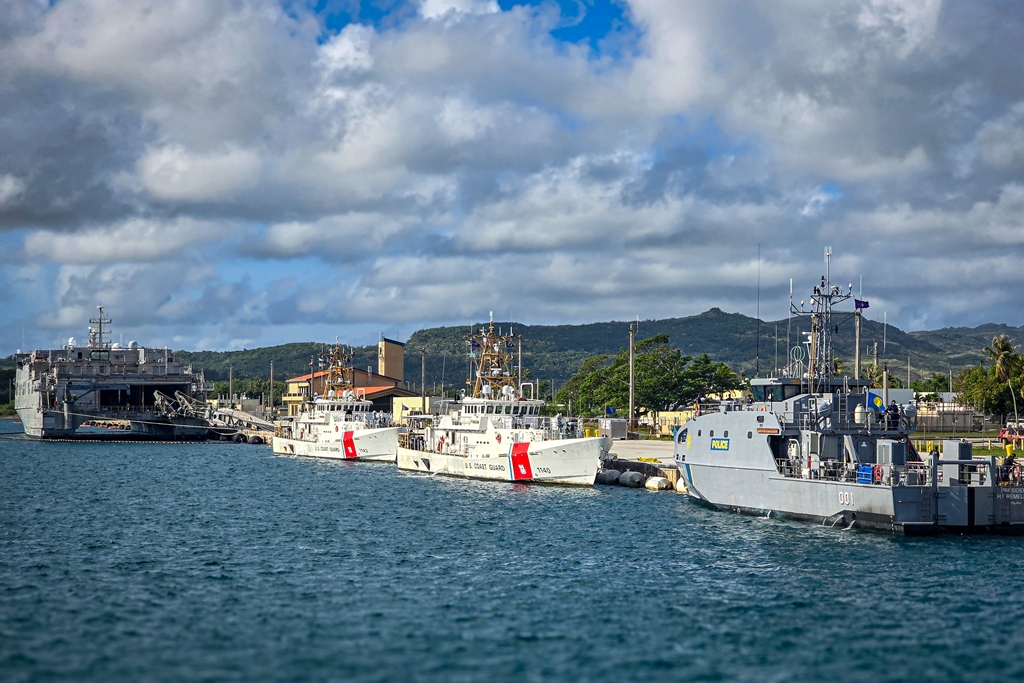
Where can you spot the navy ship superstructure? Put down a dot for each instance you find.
(60, 389)
(818, 447)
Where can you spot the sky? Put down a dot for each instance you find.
(225, 174)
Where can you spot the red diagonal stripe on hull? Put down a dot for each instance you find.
(350, 446)
(521, 461)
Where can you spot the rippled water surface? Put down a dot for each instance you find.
(224, 562)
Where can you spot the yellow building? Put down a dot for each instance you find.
(404, 406)
(667, 420)
(380, 387)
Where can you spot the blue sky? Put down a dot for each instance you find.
(235, 173)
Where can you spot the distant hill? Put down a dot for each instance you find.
(556, 351)
(290, 360)
(963, 345)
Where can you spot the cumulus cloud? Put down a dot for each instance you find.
(1000, 141)
(347, 237)
(433, 9)
(10, 188)
(172, 173)
(133, 240)
(401, 170)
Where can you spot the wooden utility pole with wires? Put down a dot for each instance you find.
(423, 380)
(632, 333)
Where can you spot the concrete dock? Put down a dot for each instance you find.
(634, 450)
(648, 457)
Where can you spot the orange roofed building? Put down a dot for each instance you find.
(380, 387)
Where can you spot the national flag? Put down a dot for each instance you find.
(608, 410)
(857, 303)
(875, 401)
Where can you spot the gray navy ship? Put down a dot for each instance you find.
(58, 390)
(818, 447)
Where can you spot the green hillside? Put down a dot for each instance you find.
(290, 360)
(554, 352)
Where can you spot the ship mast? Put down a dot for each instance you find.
(821, 355)
(96, 340)
(492, 353)
(339, 374)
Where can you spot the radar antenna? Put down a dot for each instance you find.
(99, 321)
(492, 353)
(821, 355)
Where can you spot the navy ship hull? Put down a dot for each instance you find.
(774, 473)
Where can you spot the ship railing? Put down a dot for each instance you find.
(916, 474)
(414, 441)
(875, 423)
(1010, 475)
(827, 470)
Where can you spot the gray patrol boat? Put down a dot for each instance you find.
(157, 397)
(817, 447)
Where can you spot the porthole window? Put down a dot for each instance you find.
(711, 433)
(726, 434)
(698, 432)
(750, 435)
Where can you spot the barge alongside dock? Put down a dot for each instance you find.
(60, 389)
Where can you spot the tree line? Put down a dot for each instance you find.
(664, 379)
(993, 390)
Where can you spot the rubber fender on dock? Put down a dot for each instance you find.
(658, 484)
(608, 477)
(256, 440)
(681, 485)
(239, 438)
(633, 480)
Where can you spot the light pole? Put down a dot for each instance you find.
(1014, 397)
(629, 422)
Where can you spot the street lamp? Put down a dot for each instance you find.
(1014, 397)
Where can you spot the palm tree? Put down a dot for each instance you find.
(874, 373)
(1005, 360)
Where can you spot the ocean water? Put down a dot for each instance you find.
(127, 562)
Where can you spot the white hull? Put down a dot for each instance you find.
(358, 444)
(564, 461)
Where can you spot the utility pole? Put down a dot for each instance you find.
(629, 423)
(520, 387)
(757, 343)
(856, 354)
(231, 386)
(423, 381)
(776, 349)
(271, 388)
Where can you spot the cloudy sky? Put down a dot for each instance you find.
(234, 173)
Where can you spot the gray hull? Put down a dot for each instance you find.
(909, 510)
(758, 461)
(52, 424)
